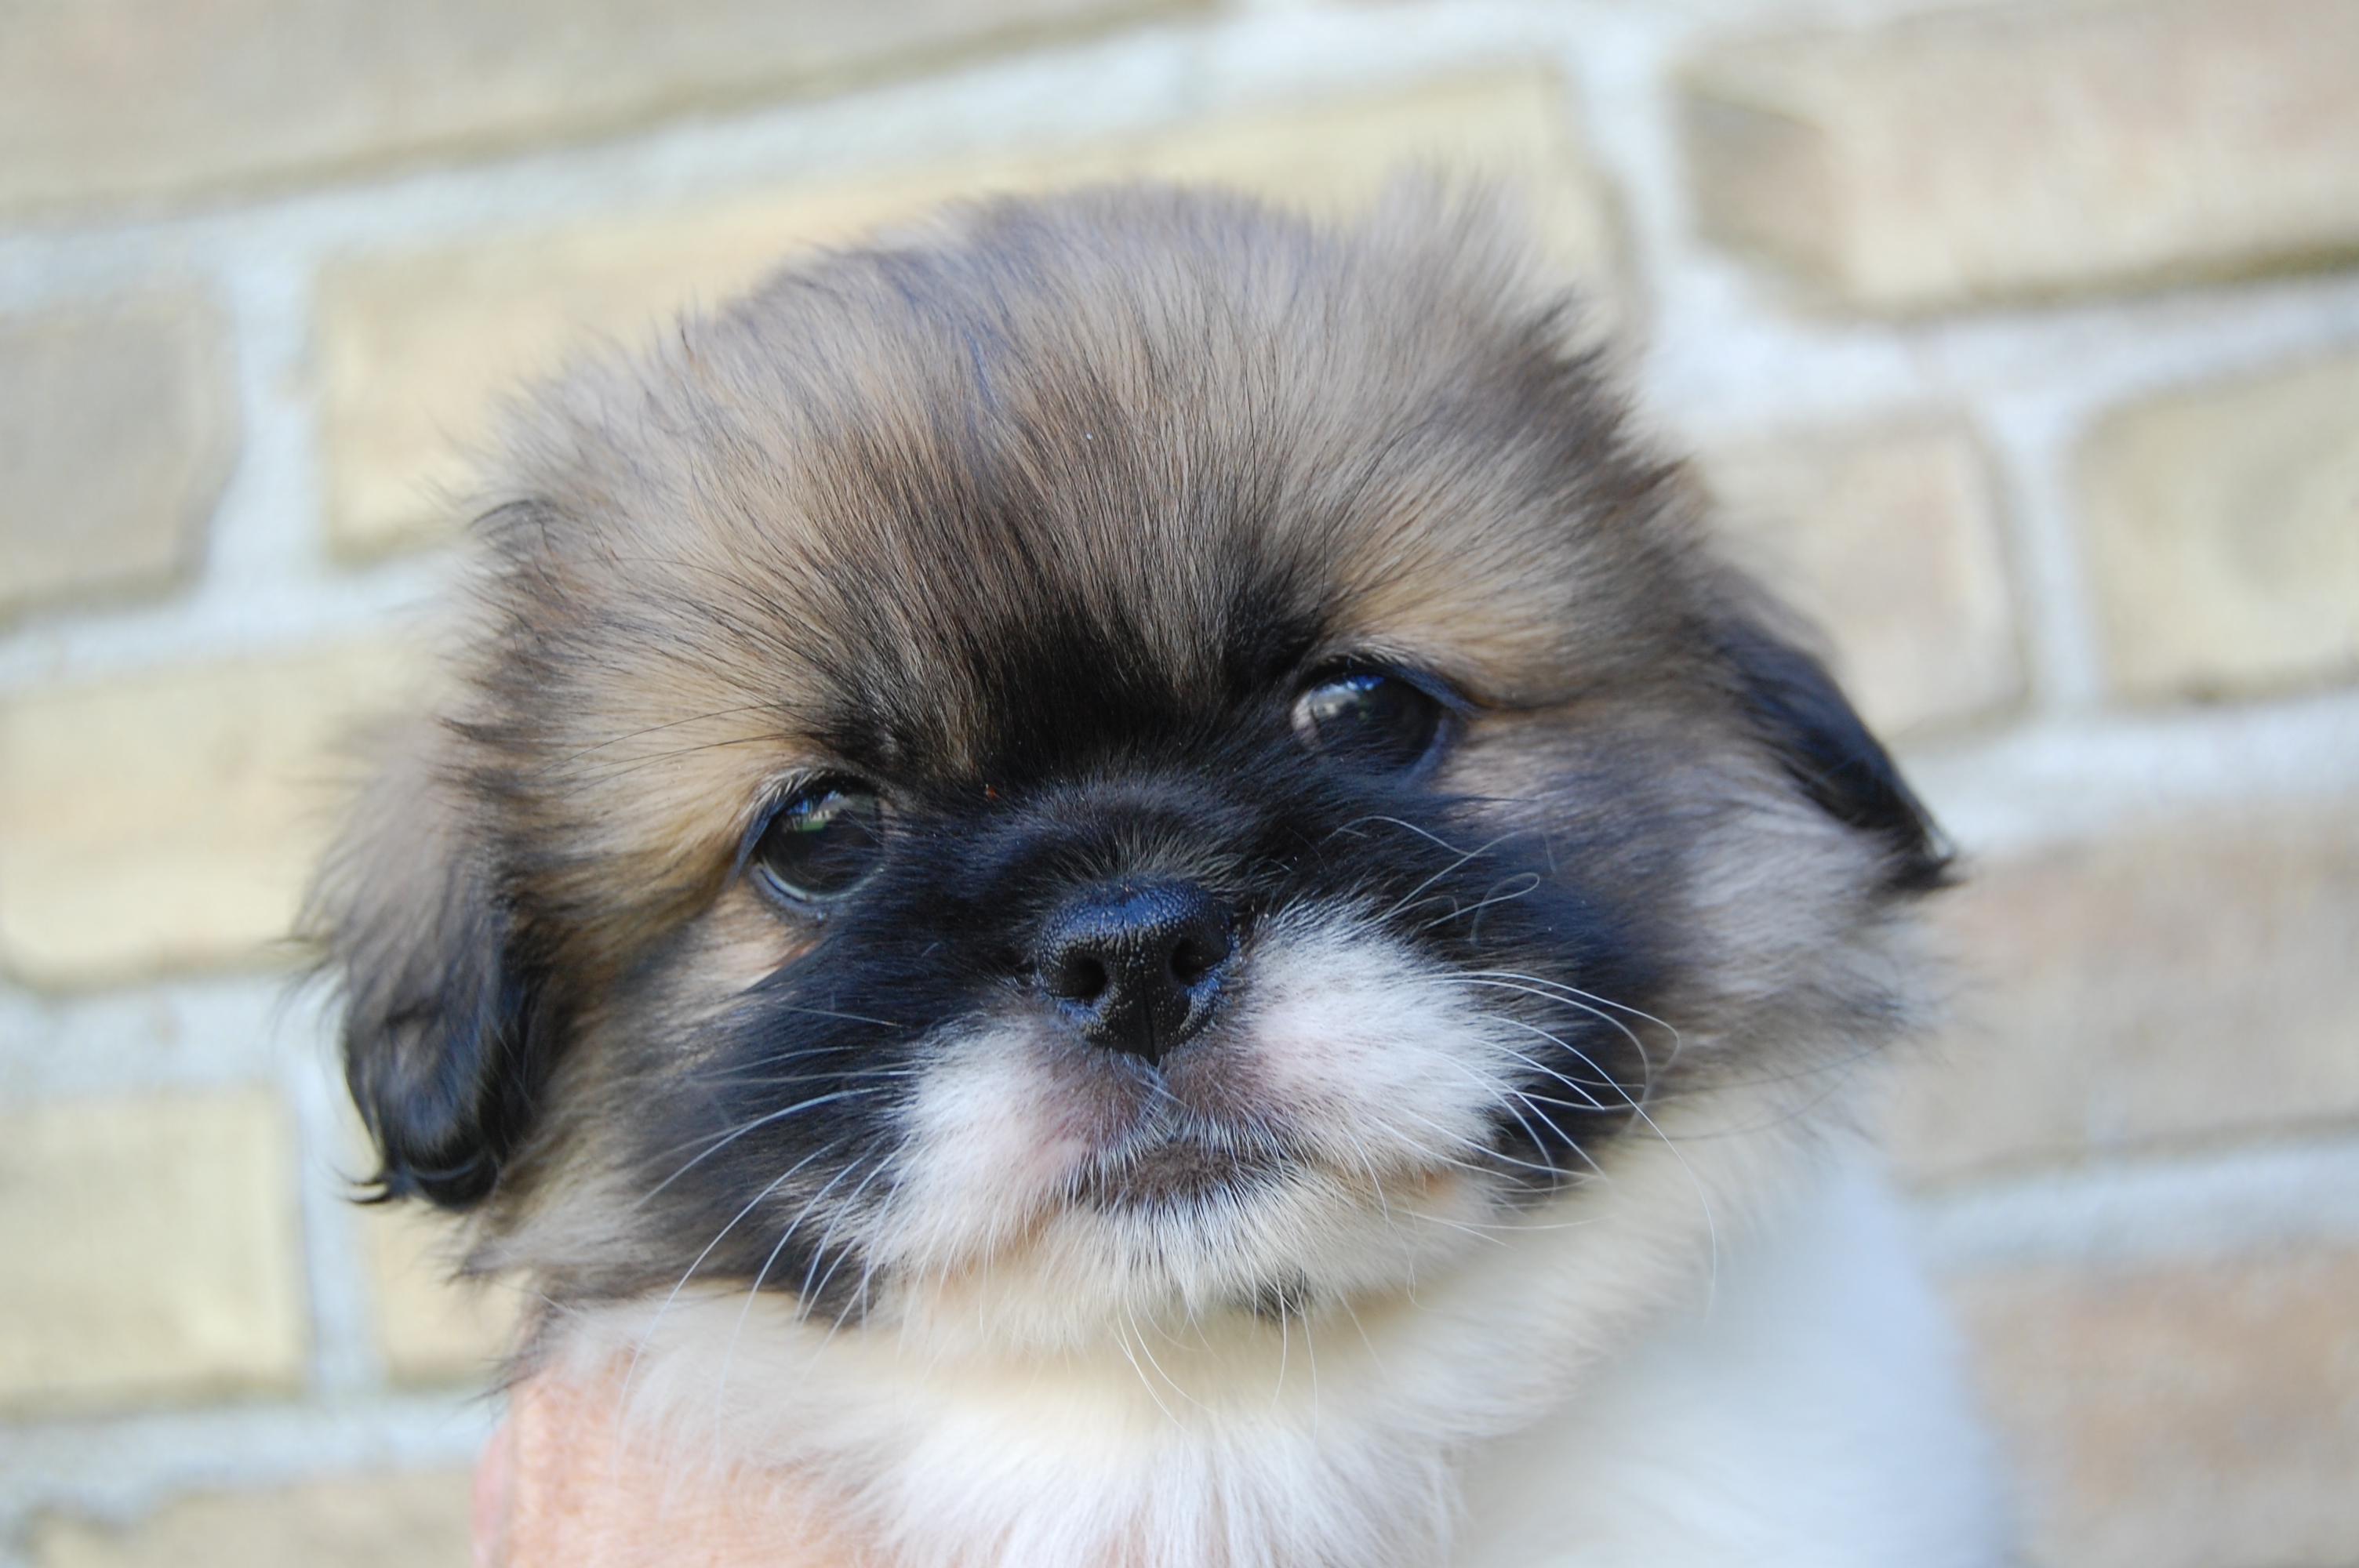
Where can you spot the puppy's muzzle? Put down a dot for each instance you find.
(1137, 966)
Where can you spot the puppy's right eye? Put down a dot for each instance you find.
(1367, 719)
(821, 842)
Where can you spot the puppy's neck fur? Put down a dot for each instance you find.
(1335, 1439)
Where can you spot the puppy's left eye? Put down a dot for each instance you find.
(1367, 719)
(821, 842)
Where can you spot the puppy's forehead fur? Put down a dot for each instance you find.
(1152, 457)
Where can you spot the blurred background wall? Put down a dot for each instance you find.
(2021, 341)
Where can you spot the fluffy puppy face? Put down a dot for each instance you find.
(1127, 756)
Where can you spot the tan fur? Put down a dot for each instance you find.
(957, 515)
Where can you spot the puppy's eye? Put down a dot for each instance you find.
(822, 841)
(1368, 721)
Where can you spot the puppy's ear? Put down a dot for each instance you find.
(438, 1010)
(1798, 710)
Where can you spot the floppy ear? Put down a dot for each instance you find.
(1796, 708)
(438, 1010)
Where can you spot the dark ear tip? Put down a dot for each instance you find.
(456, 1188)
(1929, 869)
(437, 1019)
(439, 1126)
(1796, 707)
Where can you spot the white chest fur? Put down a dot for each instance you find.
(1810, 1414)
(1802, 1408)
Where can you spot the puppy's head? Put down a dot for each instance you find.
(1130, 749)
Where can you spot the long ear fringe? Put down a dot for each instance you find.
(414, 933)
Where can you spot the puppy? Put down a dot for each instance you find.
(1117, 882)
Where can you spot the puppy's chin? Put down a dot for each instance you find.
(1329, 1139)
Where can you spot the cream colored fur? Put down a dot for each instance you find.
(1711, 1353)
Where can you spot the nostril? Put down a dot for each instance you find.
(1136, 965)
(1191, 960)
(1076, 976)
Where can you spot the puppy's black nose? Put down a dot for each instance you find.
(1138, 965)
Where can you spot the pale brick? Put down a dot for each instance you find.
(116, 432)
(2187, 982)
(418, 349)
(432, 1327)
(1889, 541)
(152, 1249)
(1937, 159)
(416, 1519)
(2190, 1417)
(2222, 529)
(108, 99)
(167, 820)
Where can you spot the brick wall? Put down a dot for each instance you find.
(2022, 343)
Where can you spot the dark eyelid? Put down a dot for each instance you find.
(783, 796)
(759, 824)
(1452, 699)
(1451, 708)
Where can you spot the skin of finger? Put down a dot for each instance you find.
(561, 1485)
